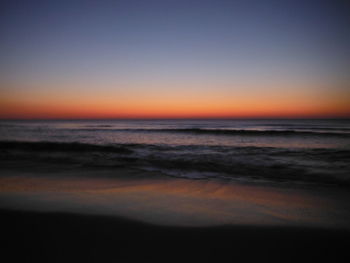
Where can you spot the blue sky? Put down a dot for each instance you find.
(110, 46)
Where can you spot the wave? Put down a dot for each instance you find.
(99, 126)
(61, 147)
(233, 132)
(259, 132)
(318, 166)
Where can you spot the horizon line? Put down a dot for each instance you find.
(181, 118)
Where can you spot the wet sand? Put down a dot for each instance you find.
(160, 200)
(53, 214)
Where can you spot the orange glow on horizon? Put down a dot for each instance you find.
(97, 111)
(169, 103)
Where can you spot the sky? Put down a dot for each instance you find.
(174, 59)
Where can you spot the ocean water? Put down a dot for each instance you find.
(312, 152)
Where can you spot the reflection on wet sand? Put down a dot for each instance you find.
(170, 201)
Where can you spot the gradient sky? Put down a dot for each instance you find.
(126, 59)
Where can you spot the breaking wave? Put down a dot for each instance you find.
(255, 164)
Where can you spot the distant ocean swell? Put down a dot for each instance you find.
(255, 164)
(241, 132)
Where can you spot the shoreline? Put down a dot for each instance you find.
(63, 213)
(156, 199)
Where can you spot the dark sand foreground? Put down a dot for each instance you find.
(51, 214)
(63, 237)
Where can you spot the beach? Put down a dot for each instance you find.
(154, 198)
(64, 237)
(275, 199)
(126, 216)
(174, 131)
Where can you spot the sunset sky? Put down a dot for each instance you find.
(174, 59)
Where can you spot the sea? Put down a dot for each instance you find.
(275, 151)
